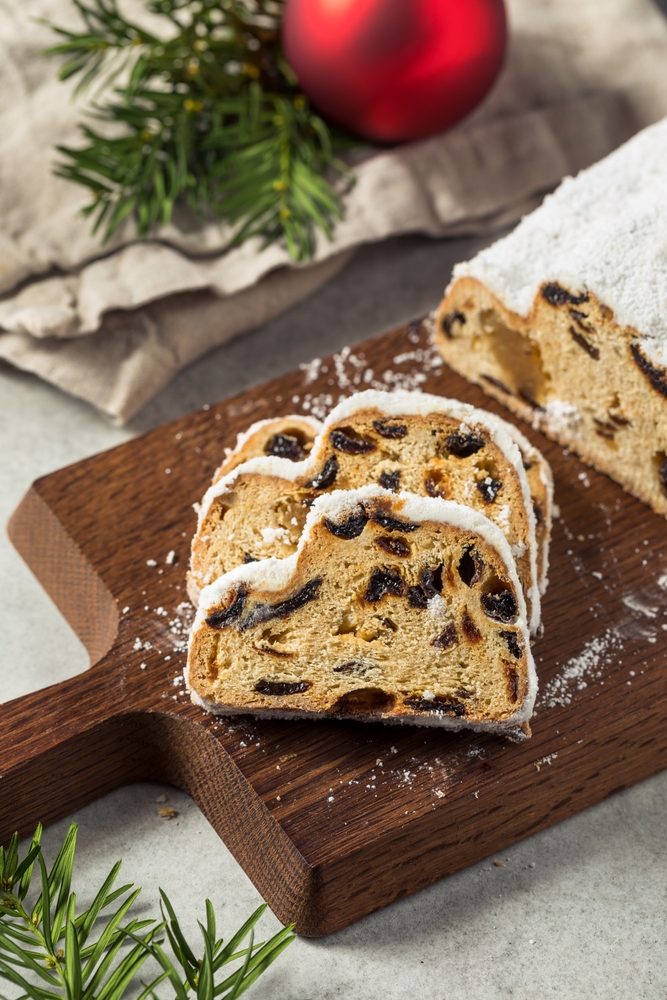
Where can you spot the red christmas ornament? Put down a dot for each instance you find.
(394, 70)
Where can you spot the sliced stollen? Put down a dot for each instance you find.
(565, 320)
(394, 608)
(402, 441)
(283, 437)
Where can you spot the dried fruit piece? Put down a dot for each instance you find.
(662, 476)
(285, 446)
(390, 523)
(501, 607)
(280, 653)
(417, 597)
(449, 319)
(556, 295)
(387, 429)
(439, 705)
(351, 527)
(281, 688)
(381, 582)
(267, 612)
(394, 546)
(512, 682)
(464, 445)
(351, 445)
(223, 618)
(578, 338)
(512, 643)
(390, 480)
(433, 488)
(580, 319)
(350, 667)
(471, 567)
(470, 630)
(325, 478)
(248, 559)
(431, 581)
(364, 701)
(489, 488)
(447, 638)
(656, 376)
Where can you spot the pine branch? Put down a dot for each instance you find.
(53, 952)
(210, 116)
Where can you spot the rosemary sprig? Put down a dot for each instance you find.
(210, 115)
(51, 950)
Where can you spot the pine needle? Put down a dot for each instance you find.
(57, 951)
(210, 116)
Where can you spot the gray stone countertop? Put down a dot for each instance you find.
(578, 911)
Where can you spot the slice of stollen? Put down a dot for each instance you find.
(422, 443)
(281, 437)
(394, 608)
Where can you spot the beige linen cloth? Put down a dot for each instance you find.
(113, 325)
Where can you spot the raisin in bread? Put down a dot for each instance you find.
(284, 437)
(565, 320)
(394, 608)
(413, 441)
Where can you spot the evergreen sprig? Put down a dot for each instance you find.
(52, 950)
(210, 115)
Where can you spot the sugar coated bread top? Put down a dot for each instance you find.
(605, 232)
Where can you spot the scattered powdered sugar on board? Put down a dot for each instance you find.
(351, 373)
(579, 671)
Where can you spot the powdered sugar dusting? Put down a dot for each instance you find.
(604, 231)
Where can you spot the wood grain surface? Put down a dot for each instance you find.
(330, 820)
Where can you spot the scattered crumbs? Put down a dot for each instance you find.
(555, 510)
(161, 799)
(288, 756)
(393, 750)
(166, 812)
(583, 477)
(545, 760)
(151, 562)
(196, 506)
(598, 576)
(278, 798)
(138, 644)
(218, 416)
(179, 436)
(379, 762)
(531, 941)
(142, 666)
(499, 864)
(439, 792)
(167, 472)
(206, 406)
(126, 609)
(476, 794)
(171, 556)
(330, 798)
(662, 581)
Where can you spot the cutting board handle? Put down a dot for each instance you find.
(54, 746)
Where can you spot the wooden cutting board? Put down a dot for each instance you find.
(330, 820)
